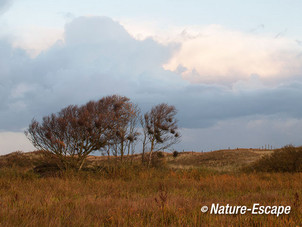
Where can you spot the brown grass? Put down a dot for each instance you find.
(136, 196)
(221, 160)
(144, 198)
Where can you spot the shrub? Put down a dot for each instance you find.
(158, 159)
(175, 154)
(286, 159)
(160, 154)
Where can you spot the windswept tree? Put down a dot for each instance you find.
(124, 134)
(75, 132)
(160, 128)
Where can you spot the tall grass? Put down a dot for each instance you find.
(144, 197)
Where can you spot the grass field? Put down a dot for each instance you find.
(137, 196)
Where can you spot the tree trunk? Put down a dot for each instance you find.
(151, 151)
(144, 148)
(122, 150)
(82, 163)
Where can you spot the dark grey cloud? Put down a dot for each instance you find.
(98, 57)
(246, 132)
(205, 106)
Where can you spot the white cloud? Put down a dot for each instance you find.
(35, 39)
(201, 54)
(97, 57)
(214, 54)
(163, 33)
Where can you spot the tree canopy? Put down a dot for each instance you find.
(76, 131)
(108, 125)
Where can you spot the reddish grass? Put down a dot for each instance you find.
(141, 197)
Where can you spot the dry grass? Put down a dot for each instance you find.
(136, 196)
(144, 198)
(222, 160)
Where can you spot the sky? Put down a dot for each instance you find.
(232, 69)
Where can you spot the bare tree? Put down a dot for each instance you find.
(124, 132)
(160, 128)
(75, 132)
(133, 133)
(144, 138)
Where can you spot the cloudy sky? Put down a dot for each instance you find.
(233, 69)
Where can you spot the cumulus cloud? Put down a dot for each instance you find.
(98, 57)
(214, 54)
(35, 39)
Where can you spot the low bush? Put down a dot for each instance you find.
(175, 154)
(158, 159)
(286, 159)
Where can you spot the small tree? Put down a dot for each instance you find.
(75, 132)
(133, 133)
(124, 133)
(160, 128)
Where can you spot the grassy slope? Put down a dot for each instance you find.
(222, 160)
